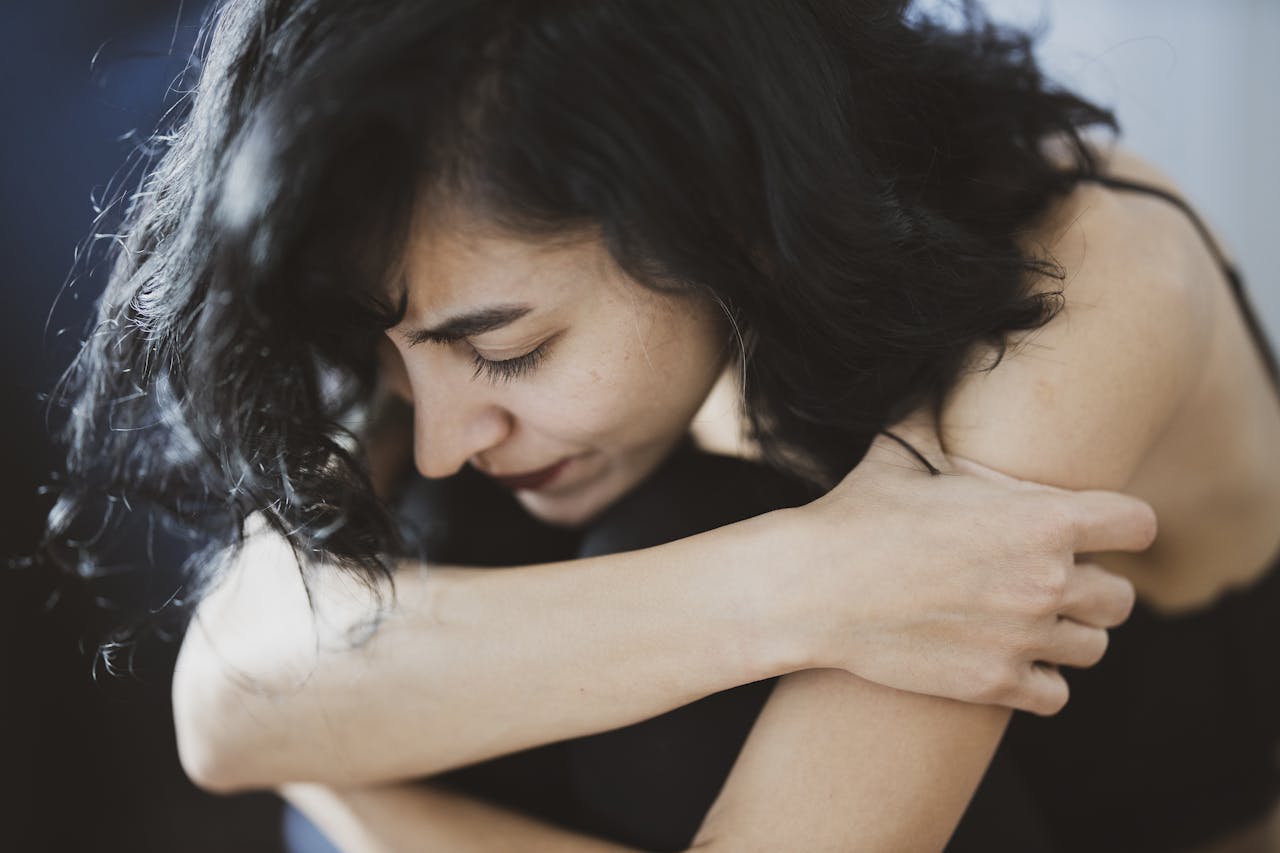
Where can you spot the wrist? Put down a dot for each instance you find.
(778, 551)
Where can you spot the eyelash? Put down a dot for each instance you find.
(508, 369)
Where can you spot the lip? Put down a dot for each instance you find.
(532, 480)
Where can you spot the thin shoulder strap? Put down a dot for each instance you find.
(1228, 269)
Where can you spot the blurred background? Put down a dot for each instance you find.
(1196, 84)
(90, 764)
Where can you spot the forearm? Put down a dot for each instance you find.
(911, 780)
(469, 663)
(835, 762)
(418, 817)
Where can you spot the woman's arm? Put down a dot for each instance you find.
(838, 763)
(469, 663)
(474, 663)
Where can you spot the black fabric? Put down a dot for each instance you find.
(1171, 739)
(1167, 743)
(648, 785)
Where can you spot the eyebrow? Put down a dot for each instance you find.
(469, 324)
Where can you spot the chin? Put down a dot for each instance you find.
(566, 511)
(562, 511)
(575, 508)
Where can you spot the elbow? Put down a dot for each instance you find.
(209, 763)
(208, 768)
(211, 726)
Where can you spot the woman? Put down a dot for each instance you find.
(568, 218)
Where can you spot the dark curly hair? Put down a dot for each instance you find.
(848, 178)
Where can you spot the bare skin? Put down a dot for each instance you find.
(1211, 471)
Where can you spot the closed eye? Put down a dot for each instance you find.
(507, 369)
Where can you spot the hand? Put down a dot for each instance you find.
(967, 584)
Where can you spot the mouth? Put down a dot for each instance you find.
(532, 480)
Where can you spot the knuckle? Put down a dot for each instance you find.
(1046, 590)
(1053, 526)
(1019, 644)
(994, 685)
(1054, 582)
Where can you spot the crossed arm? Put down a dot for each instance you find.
(435, 686)
(822, 727)
(834, 762)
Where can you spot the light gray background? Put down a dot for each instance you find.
(1196, 86)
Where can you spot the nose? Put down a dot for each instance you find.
(452, 422)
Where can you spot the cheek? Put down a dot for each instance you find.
(632, 380)
(590, 397)
(583, 408)
(638, 397)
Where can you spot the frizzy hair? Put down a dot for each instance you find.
(849, 179)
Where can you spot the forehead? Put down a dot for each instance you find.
(454, 262)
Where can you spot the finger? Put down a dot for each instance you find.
(1045, 690)
(1073, 644)
(1109, 521)
(1101, 520)
(1097, 597)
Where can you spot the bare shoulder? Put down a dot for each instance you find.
(1080, 401)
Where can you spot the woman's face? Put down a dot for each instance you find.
(542, 363)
